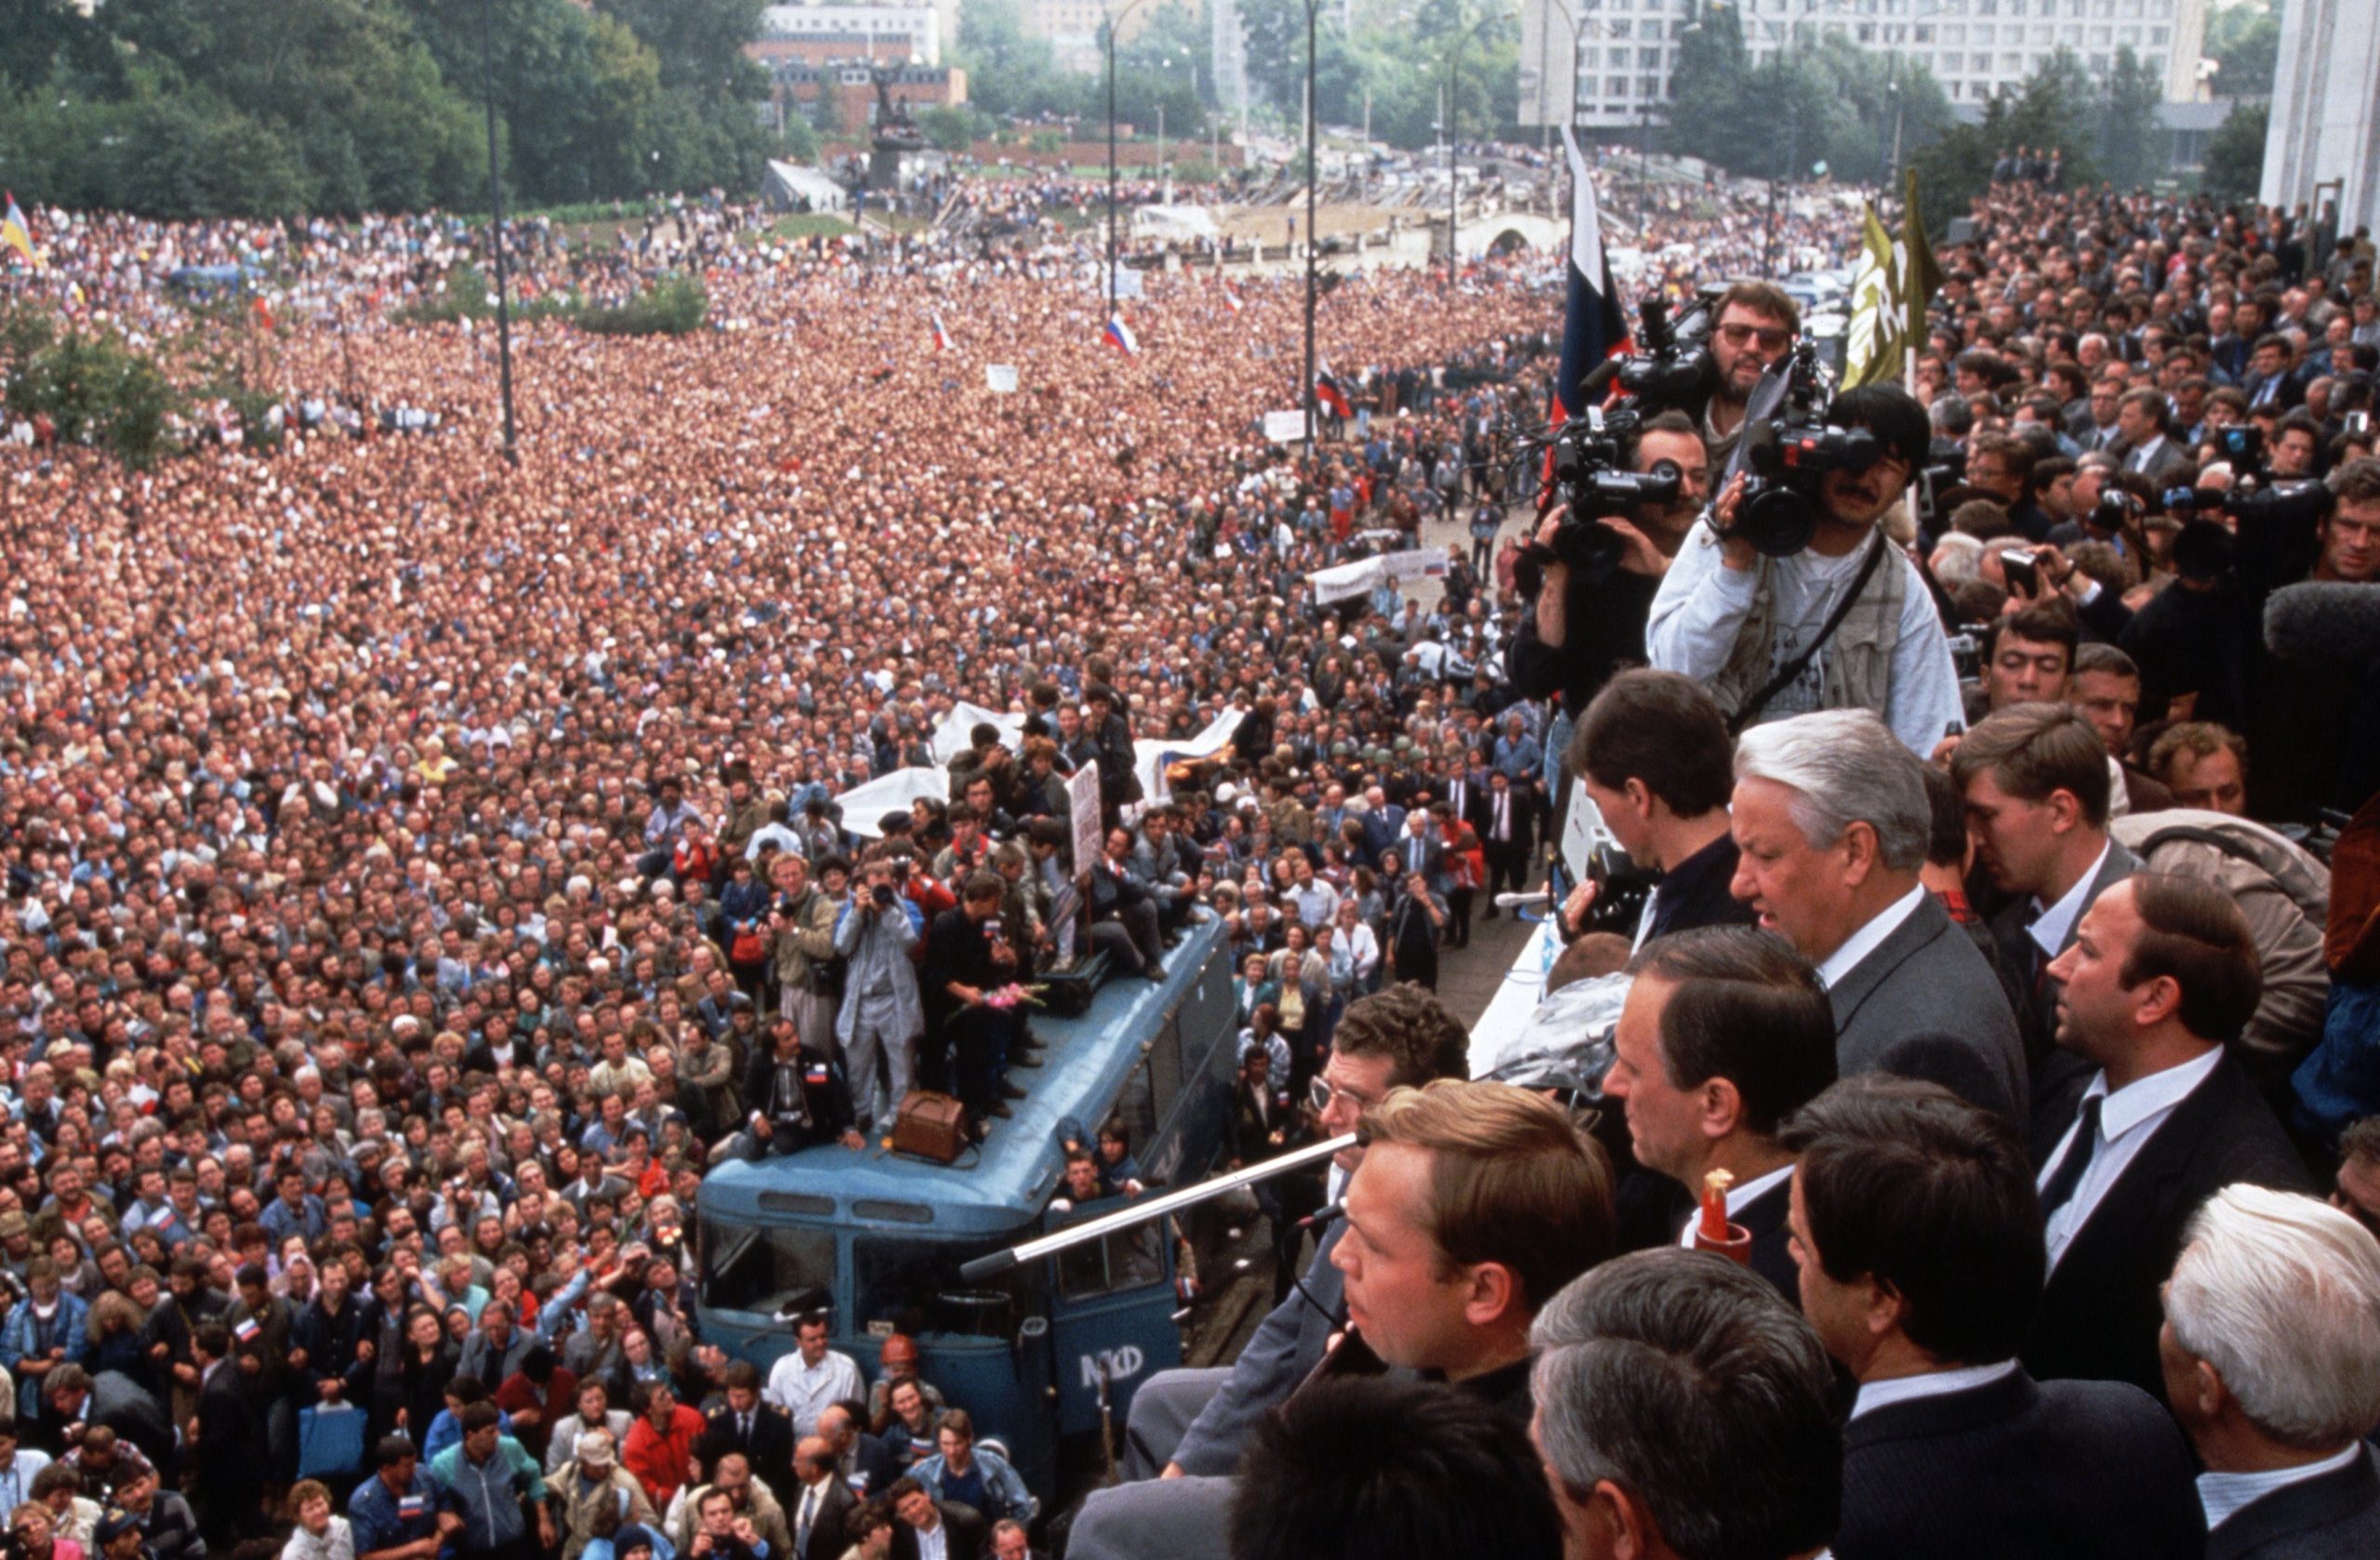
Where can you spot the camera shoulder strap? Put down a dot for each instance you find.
(1799, 664)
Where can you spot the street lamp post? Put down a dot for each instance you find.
(1454, 120)
(1313, 178)
(495, 230)
(1555, 8)
(1113, 23)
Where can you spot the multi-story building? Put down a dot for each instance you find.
(2323, 149)
(887, 31)
(1627, 50)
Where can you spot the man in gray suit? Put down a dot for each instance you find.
(1831, 817)
(2273, 1365)
(1419, 849)
(2037, 788)
(1186, 1428)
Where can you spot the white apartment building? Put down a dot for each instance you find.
(1627, 48)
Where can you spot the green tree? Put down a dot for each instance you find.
(951, 128)
(2235, 153)
(2127, 143)
(2245, 40)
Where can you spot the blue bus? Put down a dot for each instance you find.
(875, 1239)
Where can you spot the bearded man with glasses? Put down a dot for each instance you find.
(1757, 327)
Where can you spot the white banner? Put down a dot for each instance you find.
(1341, 581)
(1082, 798)
(1285, 427)
(1001, 378)
(1415, 563)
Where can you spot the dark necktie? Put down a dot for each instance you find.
(2068, 1174)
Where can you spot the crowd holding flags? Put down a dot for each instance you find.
(16, 234)
(1889, 293)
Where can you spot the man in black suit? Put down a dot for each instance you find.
(1655, 756)
(821, 1502)
(2161, 974)
(794, 1097)
(1501, 817)
(2037, 788)
(1832, 818)
(1919, 1251)
(746, 1423)
(929, 1529)
(969, 954)
(1726, 1033)
(2273, 1369)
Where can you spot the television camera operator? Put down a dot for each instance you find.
(1789, 595)
(1594, 590)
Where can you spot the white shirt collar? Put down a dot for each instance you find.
(2223, 1495)
(1868, 938)
(2153, 1096)
(2051, 926)
(1935, 1383)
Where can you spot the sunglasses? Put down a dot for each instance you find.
(1770, 337)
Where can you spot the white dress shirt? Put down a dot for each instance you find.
(1868, 938)
(935, 1545)
(804, 1391)
(2128, 1119)
(1740, 1196)
(1934, 1384)
(2052, 926)
(2223, 1495)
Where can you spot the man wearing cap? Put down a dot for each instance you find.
(118, 1537)
(394, 1513)
(592, 1482)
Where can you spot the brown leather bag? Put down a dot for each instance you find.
(930, 1126)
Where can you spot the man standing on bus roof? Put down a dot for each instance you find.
(1187, 1427)
(804, 1381)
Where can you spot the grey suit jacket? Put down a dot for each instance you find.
(1286, 1347)
(2336, 1514)
(1927, 977)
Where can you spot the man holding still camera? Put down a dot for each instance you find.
(1844, 623)
(1586, 627)
(881, 1011)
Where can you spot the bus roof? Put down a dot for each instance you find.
(1009, 1179)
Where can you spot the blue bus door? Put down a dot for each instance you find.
(1111, 1314)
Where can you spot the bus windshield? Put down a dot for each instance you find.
(771, 1269)
(914, 1285)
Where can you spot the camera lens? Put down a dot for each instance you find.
(1777, 521)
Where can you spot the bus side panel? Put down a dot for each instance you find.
(1128, 1334)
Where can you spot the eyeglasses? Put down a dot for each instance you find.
(1321, 1092)
(1771, 336)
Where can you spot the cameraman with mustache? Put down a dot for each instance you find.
(1846, 622)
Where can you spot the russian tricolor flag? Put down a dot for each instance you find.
(1592, 326)
(1327, 393)
(1121, 336)
(941, 337)
(1231, 298)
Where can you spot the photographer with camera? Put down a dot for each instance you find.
(882, 1010)
(1588, 619)
(1789, 597)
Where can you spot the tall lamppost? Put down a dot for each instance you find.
(1555, 8)
(1114, 21)
(495, 230)
(1313, 178)
(1454, 120)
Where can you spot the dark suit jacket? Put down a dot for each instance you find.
(768, 1449)
(2013, 1468)
(1764, 1219)
(126, 1407)
(2323, 1518)
(1927, 976)
(967, 1532)
(2100, 1313)
(828, 1540)
(2037, 1009)
(1283, 1352)
(1482, 818)
(1695, 891)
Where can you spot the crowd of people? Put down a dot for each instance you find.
(421, 869)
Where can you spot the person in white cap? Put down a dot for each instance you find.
(593, 1481)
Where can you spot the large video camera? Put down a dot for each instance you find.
(1673, 372)
(1592, 481)
(1786, 455)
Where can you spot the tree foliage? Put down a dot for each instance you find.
(2235, 153)
(183, 108)
(95, 387)
(2246, 42)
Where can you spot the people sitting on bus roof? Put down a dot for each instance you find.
(794, 1097)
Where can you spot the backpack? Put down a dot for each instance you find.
(2285, 893)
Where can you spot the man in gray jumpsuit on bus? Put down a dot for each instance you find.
(1186, 1428)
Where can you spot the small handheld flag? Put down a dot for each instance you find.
(1121, 336)
(1328, 394)
(941, 337)
(1231, 298)
(16, 234)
